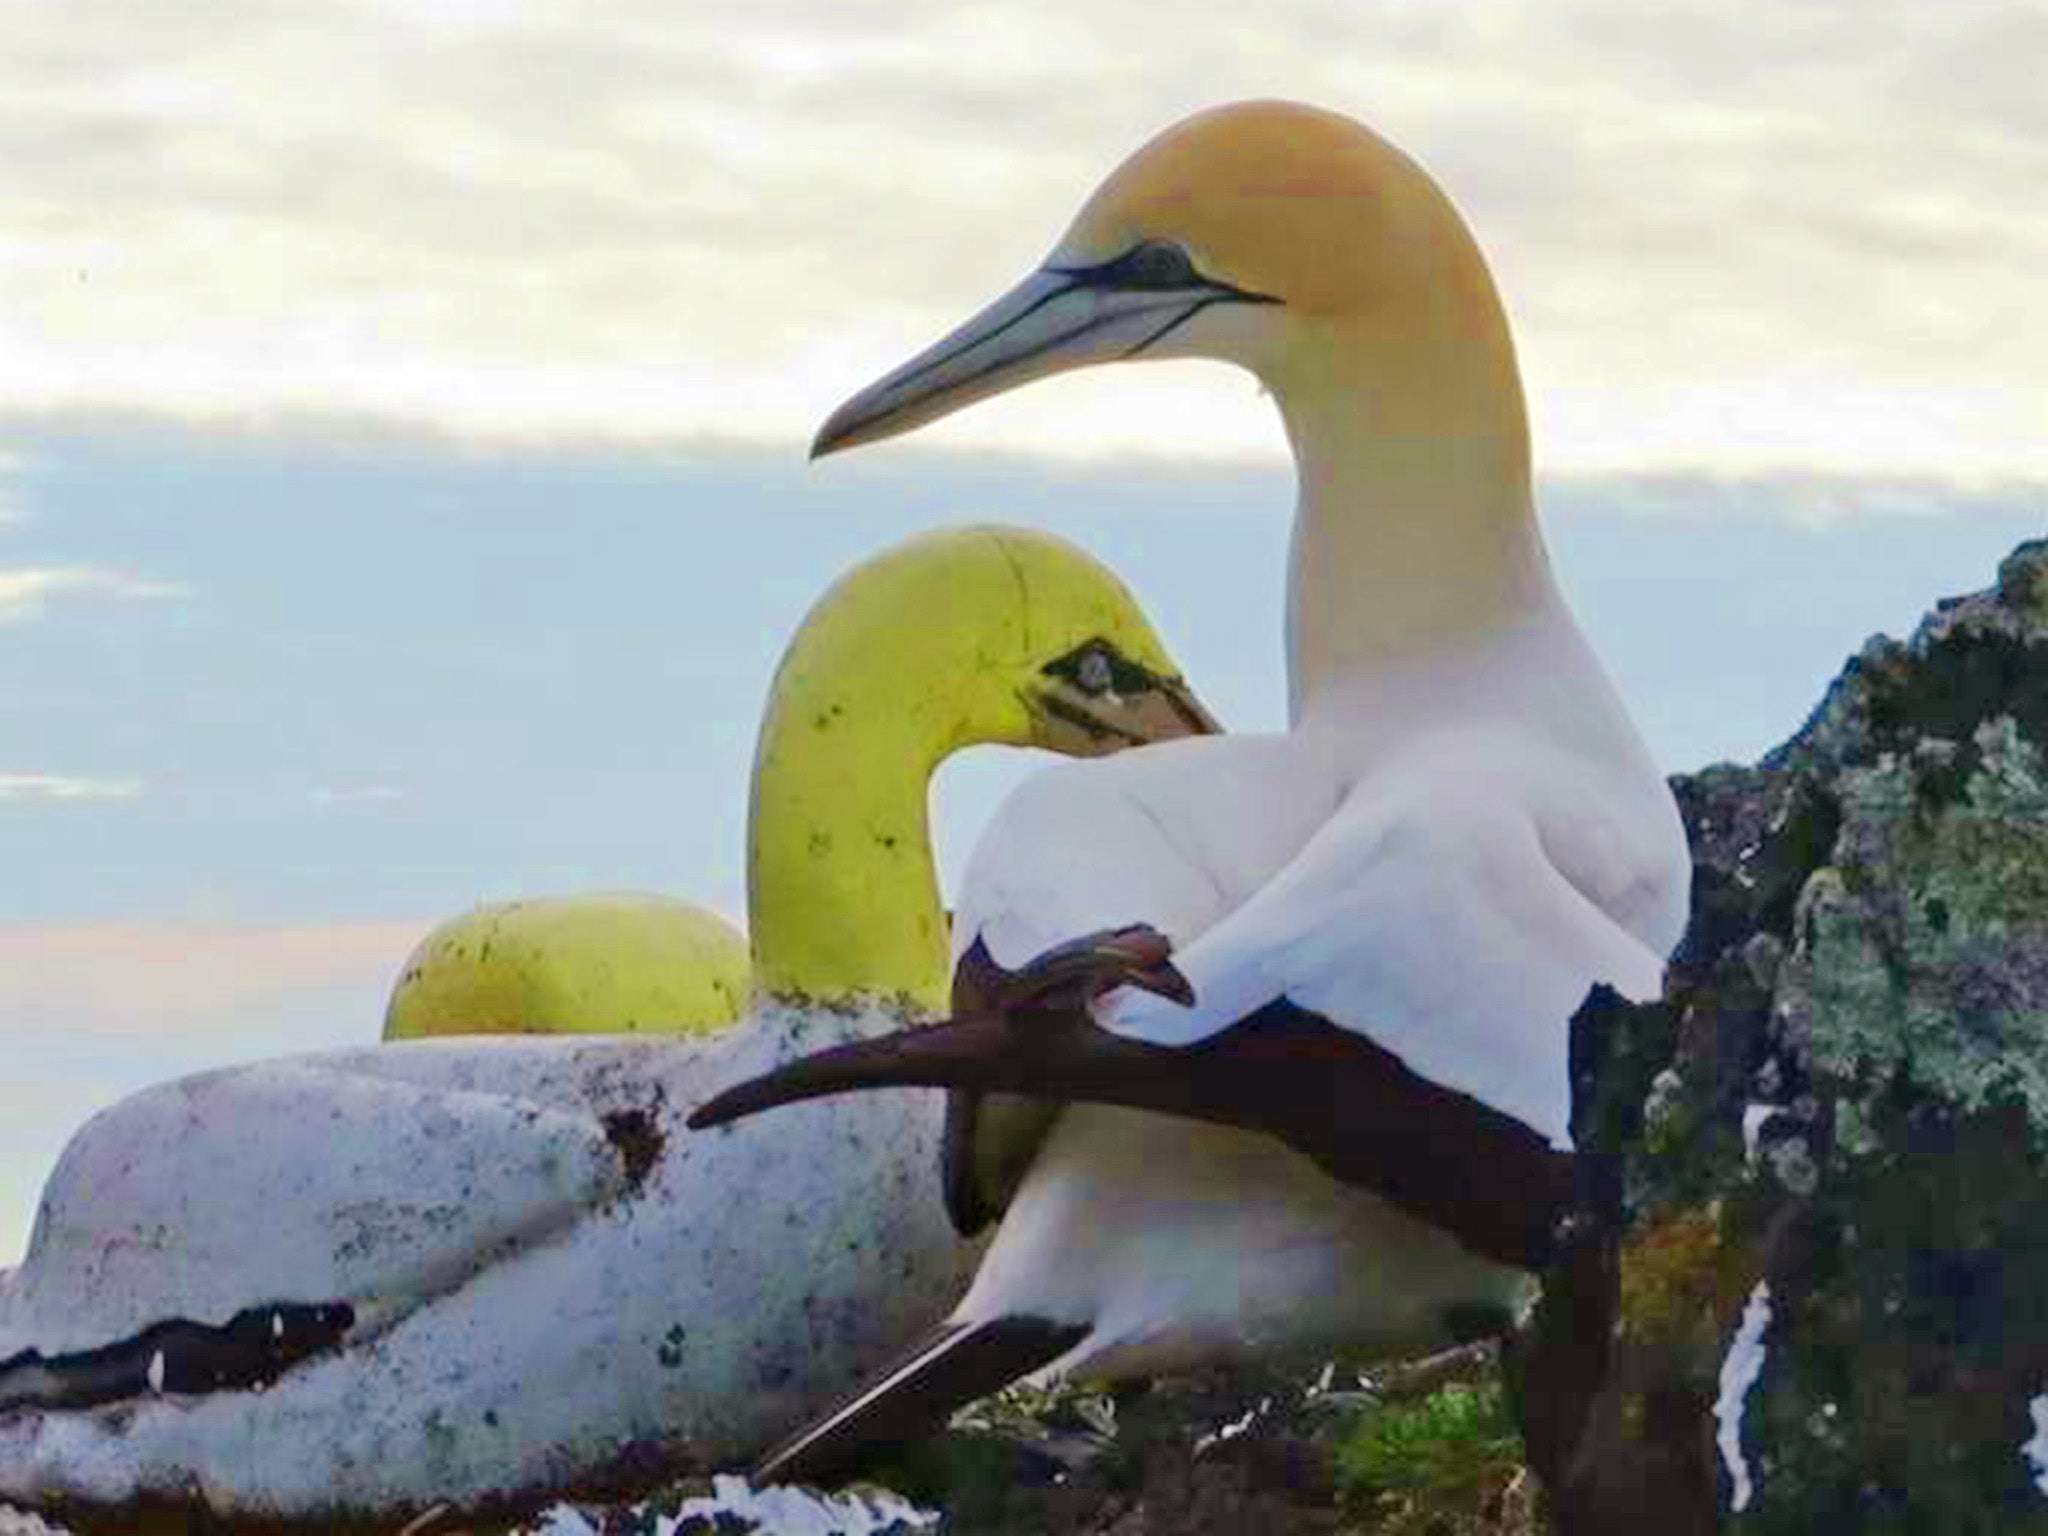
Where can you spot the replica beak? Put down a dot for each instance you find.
(1056, 319)
(1091, 725)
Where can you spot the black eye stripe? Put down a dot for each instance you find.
(1153, 264)
(1156, 266)
(1087, 665)
(1174, 323)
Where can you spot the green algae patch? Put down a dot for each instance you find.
(1450, 1464)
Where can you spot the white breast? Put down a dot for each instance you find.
(1181, 1241)
(1175, 835)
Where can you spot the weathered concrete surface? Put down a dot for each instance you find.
(554, 1287)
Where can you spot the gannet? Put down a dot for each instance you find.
(492, 1271)
(1364, 938)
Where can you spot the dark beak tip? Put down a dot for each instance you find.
(721, 1110)
(844, 428)
(1165, 980)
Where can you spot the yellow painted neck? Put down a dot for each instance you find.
(1416, 527)
(940, 642)
(842, 894)
(909, 657)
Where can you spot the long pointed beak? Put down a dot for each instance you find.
(1049, 323)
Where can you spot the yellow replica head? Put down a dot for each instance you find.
(952, 639)
(1257, 234)
(973, 635)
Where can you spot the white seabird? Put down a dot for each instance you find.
(490, 1272)
(1380, 923)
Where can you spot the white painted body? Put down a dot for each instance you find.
(525, 1315)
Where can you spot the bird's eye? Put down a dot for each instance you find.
(1157, 264)
(1097, 667)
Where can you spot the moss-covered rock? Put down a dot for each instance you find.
(1834, 1292)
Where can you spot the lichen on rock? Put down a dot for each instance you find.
(1923, 949)
(1842, 1104)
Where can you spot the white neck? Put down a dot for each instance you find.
(1415, 530)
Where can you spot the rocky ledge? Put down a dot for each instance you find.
(1834, 1274)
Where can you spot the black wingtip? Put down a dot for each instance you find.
(738, 1102)
(948, 1368)
(954, 1053)
(862, 1064)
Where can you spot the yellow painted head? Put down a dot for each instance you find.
(982, 634)
(1264, 233)
(955, 638)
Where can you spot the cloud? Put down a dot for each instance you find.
(1735, 233)
(1806, 500)
(120, 979)
(66, 787)
(367, 794)
(25, 592)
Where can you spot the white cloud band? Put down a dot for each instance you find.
(1732, 234)
(25, 592)
(65, 787)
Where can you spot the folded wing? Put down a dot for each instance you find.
(1397, 1002)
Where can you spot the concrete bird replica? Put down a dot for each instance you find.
(838, 836)
(1365, 938)
(493, 1272)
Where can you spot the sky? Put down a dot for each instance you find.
(403, 404)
